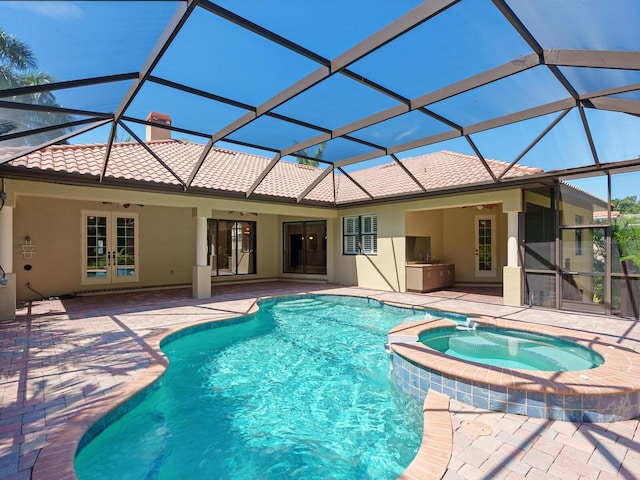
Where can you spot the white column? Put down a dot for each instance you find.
(201, 241)
(512, 239)
(8, 283)
(512, 272)
(201, 271)
(6, 238)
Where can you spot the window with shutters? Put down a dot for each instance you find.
(360, 235)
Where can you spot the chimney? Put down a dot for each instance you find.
(158, 133)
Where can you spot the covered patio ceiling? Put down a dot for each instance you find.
(546, 84)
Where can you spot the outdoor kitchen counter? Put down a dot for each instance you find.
(426, 277)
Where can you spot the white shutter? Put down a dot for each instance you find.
(350, 245)
(351, 225)
(369, 224)
(370, 244)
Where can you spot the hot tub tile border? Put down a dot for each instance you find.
(607, 393)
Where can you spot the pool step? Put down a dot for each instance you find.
(301, 305)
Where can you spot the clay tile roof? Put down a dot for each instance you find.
(225, 170)
(434, 171)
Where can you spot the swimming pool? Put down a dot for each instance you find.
(300, 389)
(509, 348)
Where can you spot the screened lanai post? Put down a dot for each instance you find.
(512, 276)
(406, 170)
(313, 184)
(179, 18)
(364, 190)
(107, 152)
(50, 128)
(587, 131)
(53, 141)
(153, 154)
(201, 286)
(535, 141)
(481, 157)
(8, 287)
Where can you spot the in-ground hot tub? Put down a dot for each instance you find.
(606, 392)
(509, 348)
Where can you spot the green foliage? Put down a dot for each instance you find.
(306, 159)
(629, 204)
(627, 238)
(18, 68)
(15, 57)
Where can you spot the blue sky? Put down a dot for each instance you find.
(82, 39)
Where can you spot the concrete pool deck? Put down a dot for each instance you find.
(65, 363)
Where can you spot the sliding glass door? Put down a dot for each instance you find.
(305, 247)
(232, 247)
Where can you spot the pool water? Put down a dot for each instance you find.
(510, 348)
(299, 390)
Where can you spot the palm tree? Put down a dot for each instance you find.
(306, 159)
(18, 68)
(15, 58)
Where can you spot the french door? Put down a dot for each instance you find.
(110, 247)
(485, 246)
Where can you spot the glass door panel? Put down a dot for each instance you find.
(226, 264)
(583, 254)
(485, 246)
(316, 247)
(305, 247)
(293, 247)
(245, 248)
(232, 247)
(125, 258)
(96, 244)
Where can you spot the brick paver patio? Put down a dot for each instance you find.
(64, 362)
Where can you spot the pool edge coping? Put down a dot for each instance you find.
(432, 460)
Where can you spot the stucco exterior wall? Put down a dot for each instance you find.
(166, 244)
(166, 239)
(382, 271)
(50, 214)
(459, 228)
(427, 223)
(450, 226)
